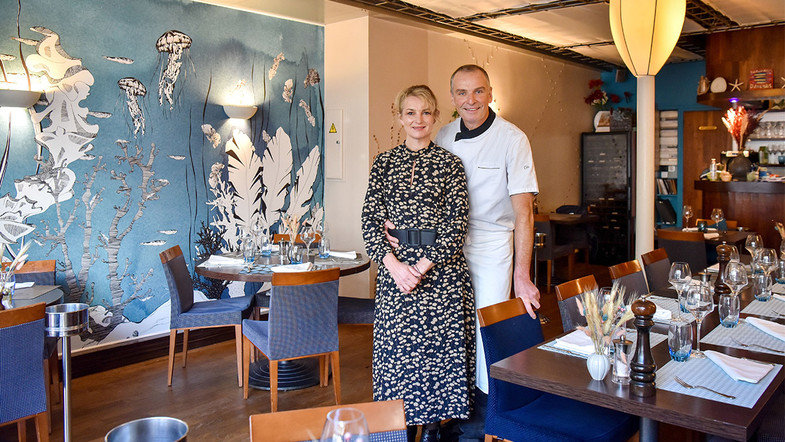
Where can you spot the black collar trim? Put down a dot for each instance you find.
(466, 134)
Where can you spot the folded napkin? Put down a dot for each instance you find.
(777, 296)
(769, 327)
(662, 314)
(24, 285)
(711, 235)
(740, 369)
(220, 260)
(779, 288)
(292, 268)
(713, 268)
(577, 341)
(347, 255)
(689, 229)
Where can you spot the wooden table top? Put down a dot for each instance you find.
(567, 376)
(232, 273)
(572, 218)
(50, 294)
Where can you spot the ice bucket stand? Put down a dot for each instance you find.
(64, 321)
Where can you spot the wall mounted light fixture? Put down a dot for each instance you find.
(240, 112)
(18, 98)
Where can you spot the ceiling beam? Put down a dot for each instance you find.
(417, 13)
(531, 8)
(708, 17)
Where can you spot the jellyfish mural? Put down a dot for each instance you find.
(134, 89)
(175, 44)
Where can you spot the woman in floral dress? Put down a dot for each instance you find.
(423, 337)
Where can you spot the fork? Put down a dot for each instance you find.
(686, 385)
(756, 345)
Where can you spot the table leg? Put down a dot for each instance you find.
(648, 430)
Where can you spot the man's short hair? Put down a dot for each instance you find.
(470, 68)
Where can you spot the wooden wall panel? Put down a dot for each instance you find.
(733, 54)
(705, 137)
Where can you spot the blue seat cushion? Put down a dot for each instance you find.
(554, 418)
(258, 332)
(229, 311)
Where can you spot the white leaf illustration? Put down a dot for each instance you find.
(277, 163)
(302, 191)
(245, 171)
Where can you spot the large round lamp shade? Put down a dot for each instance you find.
(645, 32)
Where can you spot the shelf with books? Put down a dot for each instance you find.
(668, 184)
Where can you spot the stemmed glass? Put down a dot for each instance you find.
(700, 302)
(257, 229)
(308, 235)
(680, 276)
(717, 215)
(753, 243)
(735, 276)
(688, 213)
(766, 259)
(345, 424)
(734, 254)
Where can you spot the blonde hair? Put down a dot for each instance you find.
(420, 91)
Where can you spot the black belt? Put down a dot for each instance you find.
(415, 237)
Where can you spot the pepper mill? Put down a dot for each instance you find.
(642, 366)
(723, 256)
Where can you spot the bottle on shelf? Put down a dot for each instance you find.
(713, 170)
(763, 155)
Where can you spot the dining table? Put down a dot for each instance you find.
(294, 374)
(567, 375)
(49, 294)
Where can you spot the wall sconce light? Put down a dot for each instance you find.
(18, 98)
(240, 112)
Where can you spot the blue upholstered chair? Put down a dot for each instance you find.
(303, 322)
(567, 295)
(22, 383)
(689, 247)
(189, 315)
(386, 423)
(630, 276)
(657, 265)
(518, 413)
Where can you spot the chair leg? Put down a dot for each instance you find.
(42, 427)
(21, 429)
(238, 343)
(185, 347)
(273, 386)
(246, 365)
(323, 369)
(47, 378)
(336, 377)
(549, 267)
(54, 371)
(172, 339)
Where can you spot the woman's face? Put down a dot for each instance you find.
(417, 118)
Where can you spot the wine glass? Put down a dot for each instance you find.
(735, 276)
(753, 243)
(688, 213)
(308, 235)
(680, 276)
(700, 302)
(767, 260)
(345, 424)
(734, 254)
(257, 229)
(717, 215)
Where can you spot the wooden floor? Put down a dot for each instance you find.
(206, 396)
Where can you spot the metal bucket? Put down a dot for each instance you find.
(149, 429)
(66, 319)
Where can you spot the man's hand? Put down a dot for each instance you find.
(391, 239)
(527, 291)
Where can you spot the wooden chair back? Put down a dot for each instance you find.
(656, 265)
(278, 237)
(22, 315)
(626, 268)
(501, 311)
(40, 272)
(303, 278)
(170, 254)
(689, 247)
(654, 256)
(630, 276)
(731, 223)
(575, 287)
(307, 424)
(678, 235)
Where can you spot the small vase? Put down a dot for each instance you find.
(7, 285)
(739, 167)
(598, 366)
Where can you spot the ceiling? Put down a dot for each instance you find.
(576, 30)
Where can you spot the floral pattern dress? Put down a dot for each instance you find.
(423, 342)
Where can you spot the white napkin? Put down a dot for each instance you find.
(779, 288)
(771, 328)
(711, 235)
(24, 285)
(713, 268)
(292, 268)
(739, 369)
(577, 341)
(347, 255)
(662, 314)
(780, 297)
(689, 229)
(221, 261)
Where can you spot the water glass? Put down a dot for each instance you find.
(680, 340)
(728, 309)
(324, 248)
(266, 246)
(622, 356)
(295, 254)
(781, 271)
(345, 424)
(249, 249)
(761, 286)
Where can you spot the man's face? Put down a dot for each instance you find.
(471, 95)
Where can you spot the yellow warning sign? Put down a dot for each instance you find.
(332, 129)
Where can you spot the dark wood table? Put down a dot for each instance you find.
(567, 376)
(233, 273)
(572, 219)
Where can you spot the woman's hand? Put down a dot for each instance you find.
(405, 276)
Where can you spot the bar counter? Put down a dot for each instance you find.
(756, 205)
